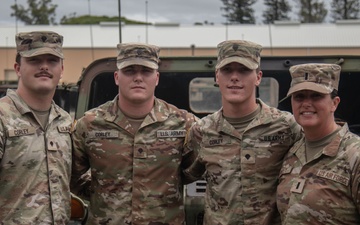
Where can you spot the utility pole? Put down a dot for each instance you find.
(119, 5)
(91, 33)
(146, 19)
(16, 18)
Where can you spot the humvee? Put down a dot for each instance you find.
(189, 83)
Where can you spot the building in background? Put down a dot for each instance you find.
(86, 43)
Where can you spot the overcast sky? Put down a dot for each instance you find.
(158, 11)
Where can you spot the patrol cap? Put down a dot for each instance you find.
(322, 78)
(29, 44)
(244, 52)
(138, 54)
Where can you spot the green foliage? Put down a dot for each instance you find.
(312, 11)
(345, 9)
(38, 12)
(276, 10)
(239, 11)
(88, 19)
(236, 11)
(43, 12)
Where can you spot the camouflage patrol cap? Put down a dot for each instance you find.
(322, 78)
(244, 52)
(29, 44)
(138, 54)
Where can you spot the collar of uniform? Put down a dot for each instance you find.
(109, 111)
(24, 108)
(159, 112)
(263, 117)
(223, 126)
(331, 149)
(18, 101)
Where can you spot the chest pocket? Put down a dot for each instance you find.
(22, 144)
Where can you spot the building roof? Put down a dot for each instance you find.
(278, 35)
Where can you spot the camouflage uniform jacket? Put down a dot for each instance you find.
(35, 165)
(241, 170)
(135, 179)
(325, 190)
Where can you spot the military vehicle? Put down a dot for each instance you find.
(188, 83)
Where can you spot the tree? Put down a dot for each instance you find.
(276, 10)
(312, 11)
(88, 19)
(39, 12)
(239, 11)
(345, 9)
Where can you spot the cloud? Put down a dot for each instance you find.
(158, 11)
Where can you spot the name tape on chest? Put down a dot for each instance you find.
(214, 142)
(333, 176)
(64, 129)
(218, 141)
(273, 138)
(21, 132)
(103, 134)
(170, 133)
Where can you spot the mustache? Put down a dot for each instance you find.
(44, 73)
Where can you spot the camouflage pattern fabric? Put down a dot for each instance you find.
(138, 54)
(29, 44)
(319, 77)
(241, 170)
(35, 165)
(325, 190)
(135, 179)
(240, 51)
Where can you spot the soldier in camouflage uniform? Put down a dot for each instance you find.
(320, 177)
(133, 146)
(241, 146)
(35, 142)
